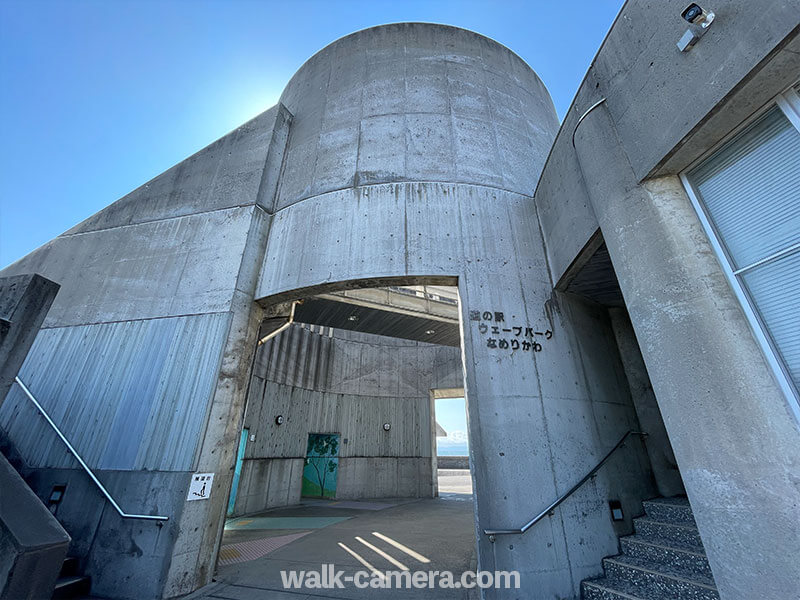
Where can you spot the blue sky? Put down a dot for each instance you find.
(99, 96)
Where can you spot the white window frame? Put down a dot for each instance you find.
(789, 104)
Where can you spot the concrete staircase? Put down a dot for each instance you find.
(70, 582)
(663, 560)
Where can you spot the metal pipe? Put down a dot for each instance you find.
(81, 461)
(280, 329)
(494, 532)
(583, 116)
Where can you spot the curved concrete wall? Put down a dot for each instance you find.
(457, 114)
(415, 102)
(351, 384)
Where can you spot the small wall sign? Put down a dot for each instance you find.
(200, 487)
(502, 335)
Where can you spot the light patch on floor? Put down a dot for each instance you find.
(282, 523)
(354, 504)
(246, 551)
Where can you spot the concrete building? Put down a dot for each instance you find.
(635, 268)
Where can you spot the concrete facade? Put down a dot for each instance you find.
(155, 304)
(424, 154)
(730, 425)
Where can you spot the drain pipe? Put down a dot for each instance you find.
(583, 116)
(280, 329)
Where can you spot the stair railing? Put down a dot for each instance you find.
(77, 456)
(492, 533)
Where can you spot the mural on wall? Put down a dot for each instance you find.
(321, 466)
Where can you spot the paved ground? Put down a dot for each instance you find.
(386, 534)
(455, 481)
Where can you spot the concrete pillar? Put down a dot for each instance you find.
(538, 422)
(201, 524)
(736, 441)
(24, 302)
(32, 542)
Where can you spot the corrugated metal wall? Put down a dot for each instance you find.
(359, 419)
(350, 362)
(325, 380)
(128, 395)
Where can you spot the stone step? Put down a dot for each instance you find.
(692, 563)
(651, 580)
(679, 536)
(72, 586)
(670, 510)
(69, 567)
(603, 589)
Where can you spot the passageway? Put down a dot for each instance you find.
(430, 534)
(337, 463)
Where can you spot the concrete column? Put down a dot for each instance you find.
(33, 544)
(201, 523)
(24, 302)
(735, 439)
(538, 422)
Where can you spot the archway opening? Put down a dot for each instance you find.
(337, 460)
(452, 442)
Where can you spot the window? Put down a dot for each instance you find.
(747, 194)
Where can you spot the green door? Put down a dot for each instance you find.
(322, 464)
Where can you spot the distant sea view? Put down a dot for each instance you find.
(452, 450)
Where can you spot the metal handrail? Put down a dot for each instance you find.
(82, 462)
(495, 532)
(280, 329)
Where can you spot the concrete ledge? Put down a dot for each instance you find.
(24, 302)
(452, 462)
(32, 543)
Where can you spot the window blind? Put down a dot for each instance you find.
(750, 190)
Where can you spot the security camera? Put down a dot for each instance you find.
(699, 20)
(697, 16)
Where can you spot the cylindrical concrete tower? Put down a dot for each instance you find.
(446, 110)
(415, 102)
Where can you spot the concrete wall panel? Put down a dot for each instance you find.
(669, 106)
(142, 385)
(225, 174)
(182, 266)
(402, 103)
